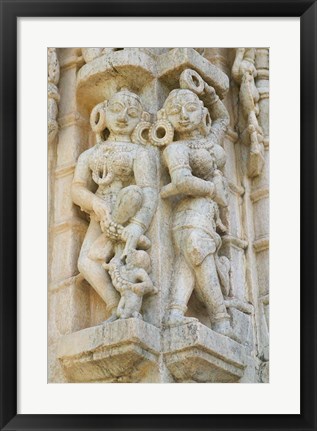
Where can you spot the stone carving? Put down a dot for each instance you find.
(52, 92)
(194, 160)
(132, 281)
(244, 72)
(174, 248)
(114, 182)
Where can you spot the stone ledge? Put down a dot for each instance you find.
(99, 79)
(195, 353)
(120, 351)
(171, 64)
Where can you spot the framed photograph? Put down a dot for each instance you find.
(158, 215)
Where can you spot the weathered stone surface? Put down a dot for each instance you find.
(120, 351)
(53, 94)
(159, 227)
(194, 353)
(99, 79)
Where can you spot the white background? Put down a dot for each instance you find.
(281, 395)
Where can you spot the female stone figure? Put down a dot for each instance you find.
(194, 161)
(114, 182)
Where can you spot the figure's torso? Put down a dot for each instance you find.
(112, 166)
(195, 212)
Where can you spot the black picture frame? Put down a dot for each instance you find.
(10, 11)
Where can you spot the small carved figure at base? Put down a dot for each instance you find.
(132, 281)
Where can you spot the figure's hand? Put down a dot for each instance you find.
(168, 190)
(101, 211)
(211, 93)
(131, 235)
(210, 90)
(223, 229)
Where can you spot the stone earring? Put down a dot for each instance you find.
(140, 134)
(162, 131)
(205, 123)
(98, 120)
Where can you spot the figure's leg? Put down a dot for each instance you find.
(132, 305)
(129, 305)
(136, 305)
(210, 290)
(182, 288)
(93, 271)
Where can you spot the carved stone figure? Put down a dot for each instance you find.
(132, 281)
(244, 72)
(53, 73)
(114, 182)
(194, 160)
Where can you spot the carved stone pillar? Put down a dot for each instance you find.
(260, 198)
(256, 215)
(68, 300)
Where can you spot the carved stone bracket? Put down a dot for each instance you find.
(194, 353)
(100, 78)
(121, 351)
(125, 350)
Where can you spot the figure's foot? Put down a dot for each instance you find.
(177, 319)
(223, 327)
(112, 318)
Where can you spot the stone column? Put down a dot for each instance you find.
(260, 199)
(68, 299)
(256, 222)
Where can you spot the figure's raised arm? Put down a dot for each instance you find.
(218, 112)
